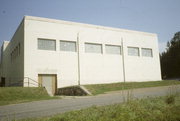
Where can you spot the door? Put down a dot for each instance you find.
(2, 83)
(49, 82)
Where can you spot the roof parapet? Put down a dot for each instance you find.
(85, 25)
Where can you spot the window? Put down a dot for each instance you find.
(46, 44)
(93, 48)
(133, 51)
(113, 49)
(15, 52)
(68, 46)
(147, 52)
(19, 48)
(1, 53)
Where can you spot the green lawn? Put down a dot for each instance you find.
(102, 88)
(12, 95)
(149, 109)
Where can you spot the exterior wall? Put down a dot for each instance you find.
(139, 68)
(3, 65)
(100, 68)
(64, 64)
(13, 68)
(94, 68)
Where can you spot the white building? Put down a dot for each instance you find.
(60, 53)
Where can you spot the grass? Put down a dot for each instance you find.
(13, 95)
(102, 88)
(149, 109)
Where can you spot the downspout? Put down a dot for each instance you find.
(122, 50)
(79, 74)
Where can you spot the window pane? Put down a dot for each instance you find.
(146, 52)
(113, 49)
(68, 46)
(133, 51)
(45, 44)
(93, 48)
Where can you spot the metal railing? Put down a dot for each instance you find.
(26, 82)
(30, 82)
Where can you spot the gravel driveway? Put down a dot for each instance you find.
(55, 106)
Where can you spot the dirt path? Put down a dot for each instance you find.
(51, 107)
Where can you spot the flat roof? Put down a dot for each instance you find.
(85, 25)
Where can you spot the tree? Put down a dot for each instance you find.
(170, 59)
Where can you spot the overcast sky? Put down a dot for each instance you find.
(154, 16)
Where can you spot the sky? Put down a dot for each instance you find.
(155, 16)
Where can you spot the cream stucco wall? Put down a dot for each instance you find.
(13, 68)
(94, 68)
(73, 68)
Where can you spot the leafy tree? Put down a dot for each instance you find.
(170, 59)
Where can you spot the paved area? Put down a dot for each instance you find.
(51, 107)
